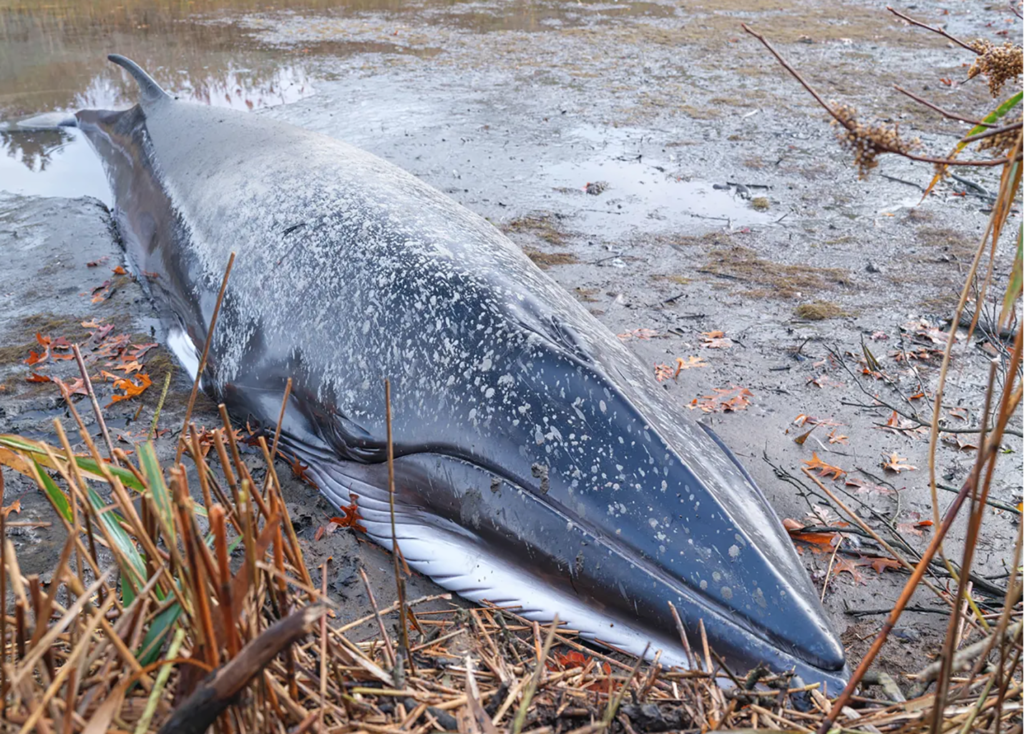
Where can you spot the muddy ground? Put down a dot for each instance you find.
(650, 156)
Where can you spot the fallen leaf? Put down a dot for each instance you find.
(688, 363)
(915, 525)
(848, 565)
(895, 423)
(13, 507)
(833, 438)
(792, 525)
(36, 377)
(131, 387)
(350, 517)
(119, 270)
(726, 399)
(895, 463)
(663, 372)
(867, 488)
(715, 340)
(823, 469)
(799, 440)
(957, 440)
(821, 515)
(77, 387)
(299, 470)
(881, 564)
(638, 334)
(823, 380)
(960, 413)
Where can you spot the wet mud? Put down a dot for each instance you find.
(649, 156)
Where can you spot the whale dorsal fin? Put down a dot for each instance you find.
(150, 90)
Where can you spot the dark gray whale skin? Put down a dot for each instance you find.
(538, 464)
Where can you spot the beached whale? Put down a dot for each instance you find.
(538, 464)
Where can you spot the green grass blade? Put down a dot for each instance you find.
(57, 498)
(133, 566)
(991, 118)
(161, 496)
(1016, 284)
(152, 643)
(88, 464)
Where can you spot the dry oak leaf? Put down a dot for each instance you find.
(880, 564)
(847, 565)
(915, 527)
(896, 463)
(715, 340)
(726, 399)
(131, 387)
(824, 469)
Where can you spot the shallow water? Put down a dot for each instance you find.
(219, 52)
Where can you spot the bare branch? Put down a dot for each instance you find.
(944, 113)
(994, 131)
(933, 29)
(881, 148)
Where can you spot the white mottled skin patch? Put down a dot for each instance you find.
(350, 270)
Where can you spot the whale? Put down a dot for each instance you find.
(537, 464)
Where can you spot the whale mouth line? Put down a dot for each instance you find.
(426, 539)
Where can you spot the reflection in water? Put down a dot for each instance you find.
(53, 58)
(52, 163)
(34, 149)
(53, 55)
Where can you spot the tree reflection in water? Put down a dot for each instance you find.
(34, 148)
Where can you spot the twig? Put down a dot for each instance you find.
(160, 405)
(198, 712)
(944, 113)
(846, 124)
(964, 657)
(831, 563)
(95, 403)
(538, 674)
(396, 552)
(902, 181)
(202, 359)
(992, 131)
(933, 29)
(901, 603)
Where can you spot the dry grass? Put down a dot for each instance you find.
(167, 612)
(780, 280)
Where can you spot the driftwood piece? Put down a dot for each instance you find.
(219, 689)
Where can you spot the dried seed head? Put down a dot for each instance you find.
(998, 64)
(868, 141)
(1002, 143)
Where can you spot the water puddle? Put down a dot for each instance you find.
(621, 186)
(53, 59)
(51, 163)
